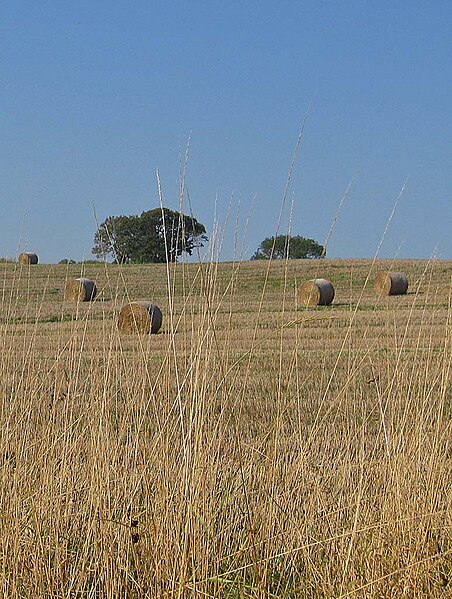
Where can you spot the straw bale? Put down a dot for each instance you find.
(140, 317)
(316, 292)
(80, 290)
(28, 258)
(391, 283)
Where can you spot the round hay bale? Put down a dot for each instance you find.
(391, 283)
(317, 292)
(140, 317)
(28, 258)
(80, 290)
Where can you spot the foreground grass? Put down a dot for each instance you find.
(252, 449)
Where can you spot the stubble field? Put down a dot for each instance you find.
(252, 448)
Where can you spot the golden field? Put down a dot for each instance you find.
(253, 448)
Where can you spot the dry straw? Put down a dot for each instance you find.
(316, 292)
(28, 258)
(391, 283)
(140, 317)
(80, 290)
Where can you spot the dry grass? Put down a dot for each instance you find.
(253, 448)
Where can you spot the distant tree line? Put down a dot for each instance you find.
(162, 235)
(285, 246)
(70, 261)
(158, 235)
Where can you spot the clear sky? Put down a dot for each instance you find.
(97, 95)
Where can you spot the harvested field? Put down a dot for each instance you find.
(254, 448)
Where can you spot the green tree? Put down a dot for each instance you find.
(284, 246)
(155, 236)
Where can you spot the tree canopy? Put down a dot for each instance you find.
(157, 235)
(285, 246)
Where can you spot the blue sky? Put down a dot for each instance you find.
(96, 96)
